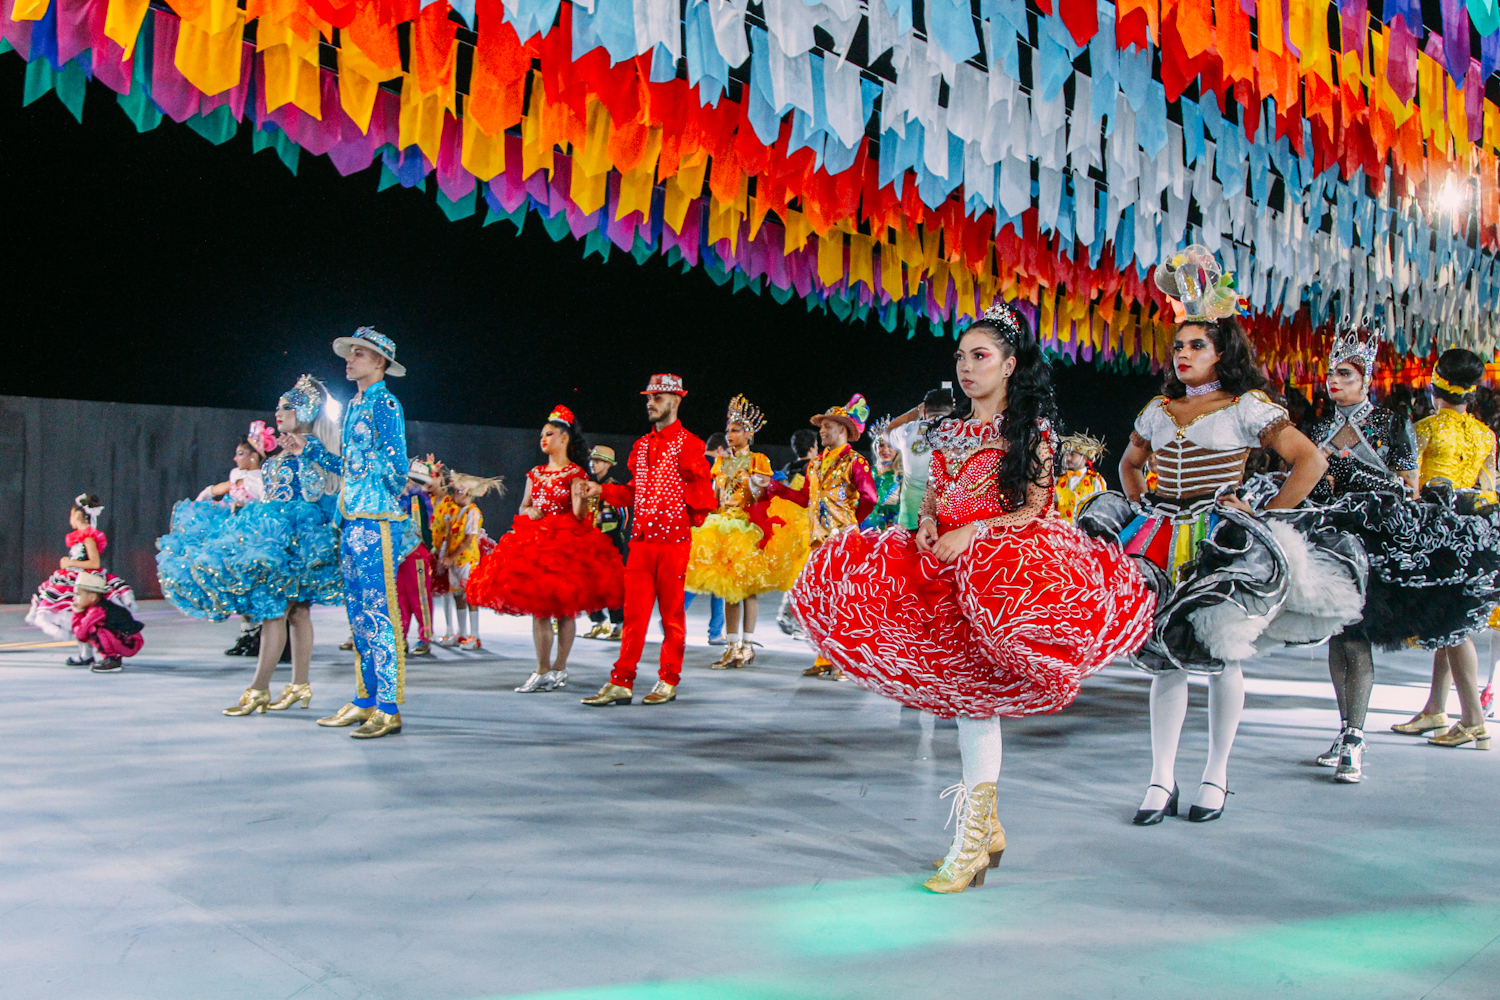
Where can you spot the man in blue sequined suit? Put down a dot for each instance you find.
(374, 467)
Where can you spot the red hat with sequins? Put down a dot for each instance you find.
(563, 414)
(665, 383)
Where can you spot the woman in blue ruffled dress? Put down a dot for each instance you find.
(270, 560)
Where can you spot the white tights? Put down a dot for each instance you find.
(1169, 702)
(979, 749)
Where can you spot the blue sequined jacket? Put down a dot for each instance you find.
(374, 463)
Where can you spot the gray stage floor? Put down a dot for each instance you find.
(763, 838)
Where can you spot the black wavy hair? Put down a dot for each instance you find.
(803, 440)
(1461, 368)
(1238, 370)
(1028, 399)
(578, 448)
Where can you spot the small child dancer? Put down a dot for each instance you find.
(104, 626)
(52, 605)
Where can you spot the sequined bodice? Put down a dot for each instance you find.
(1454, 446)
(732, 480)
(551, 489)
(294, 477)
(971, 492)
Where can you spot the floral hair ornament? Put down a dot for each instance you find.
(562, 414)
(1438, 382)
(261, 438)
(742, 412)
(306, 398)
(1355, 340)
(1003, 316)
(81, 501)
(1200, 289)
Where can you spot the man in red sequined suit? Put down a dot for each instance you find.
(670, 492)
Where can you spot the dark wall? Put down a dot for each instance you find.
(141, 459)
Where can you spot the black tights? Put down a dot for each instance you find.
(1352, 668)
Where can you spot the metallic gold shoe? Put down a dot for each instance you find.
(599, 631)
(379, 724)
(747, 653)
(997, 839)
(661, 694)
(347, 643)
(1461, 734)
(348, 716)
(968, 867)
(819, 668)
(1421, 724)
(250, 702)
(609, 694)
(616, 634)
(729, 659)
(290, 695)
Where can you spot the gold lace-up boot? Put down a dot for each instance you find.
(997, 838)
(290, 695)
(250, 702)
(972, 839)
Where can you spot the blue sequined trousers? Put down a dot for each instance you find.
(217, 562)
(370, 550)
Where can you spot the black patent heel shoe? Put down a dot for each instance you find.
(1147, 817)
(1198, 814)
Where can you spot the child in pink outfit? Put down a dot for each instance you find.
(103, 624)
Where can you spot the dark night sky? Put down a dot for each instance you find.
(158, 268)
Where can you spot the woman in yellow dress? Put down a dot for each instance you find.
(734, 558)
(1459, 449)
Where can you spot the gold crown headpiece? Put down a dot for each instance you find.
(1200, 289)
(1087, 445)
(1355, 340)
(1439, 382)
(741, 411)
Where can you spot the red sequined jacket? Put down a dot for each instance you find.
(670, 489)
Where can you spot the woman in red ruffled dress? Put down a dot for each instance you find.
(553, 563)
(995, 607)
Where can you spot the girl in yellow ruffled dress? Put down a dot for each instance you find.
(733, 557)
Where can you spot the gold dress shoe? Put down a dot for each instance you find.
(348, 716)
(609, 694)
(250, 702)
(616, 634)
(1461, 734)
(379, 724)
(661, 694)
(347, 643)
(599, 631)
(1421, 723)
(973, 858)
(818, 669)
(290, 695)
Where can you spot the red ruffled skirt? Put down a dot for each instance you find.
(1011, 628)
(551, 568)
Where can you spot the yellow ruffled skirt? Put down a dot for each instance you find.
(727, 560)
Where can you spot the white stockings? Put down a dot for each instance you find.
(1169, 702)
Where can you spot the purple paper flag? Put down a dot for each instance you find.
(1456, 40)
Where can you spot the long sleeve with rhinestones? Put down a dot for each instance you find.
(374, 460)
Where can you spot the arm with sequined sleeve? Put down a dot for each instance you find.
(1040, 493)
(314, 451)
(391, 427)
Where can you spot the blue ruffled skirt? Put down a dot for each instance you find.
(217, 562)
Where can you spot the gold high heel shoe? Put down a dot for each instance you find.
(729, 659)
(252, 701)
(1421, 723)
(290, 695)
(1461, 734)
(997, 838)
(747, 653)
(973, 860)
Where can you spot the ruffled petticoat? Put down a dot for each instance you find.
(1011, 628)
(729, 561)
(52, 604)
(1229, 584)
(1434, 571)
(555, 567)
(217, 561)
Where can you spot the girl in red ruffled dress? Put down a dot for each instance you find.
(995, 607)
(553, 563)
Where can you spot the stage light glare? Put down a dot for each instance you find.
(1451, 198)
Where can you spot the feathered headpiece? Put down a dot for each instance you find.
(476, 486)
(261, 438)
(1087, 445)
(1005, 318)
(880, 428)
(81, 501)
(1355, 340)
(742, 412)
(307, 398)
(1200, 289)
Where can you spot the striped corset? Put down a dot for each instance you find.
(1185, 470)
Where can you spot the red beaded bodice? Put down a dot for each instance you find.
(964, 485)
(551, 489)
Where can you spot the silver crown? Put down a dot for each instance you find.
(1004, 318)
(1355, 340)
